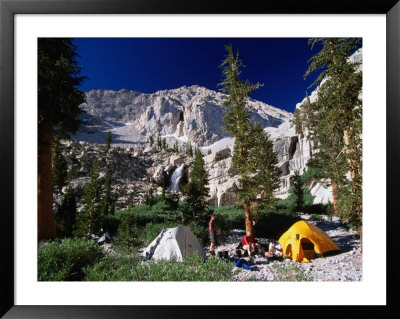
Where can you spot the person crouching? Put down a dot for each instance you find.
(249, 244)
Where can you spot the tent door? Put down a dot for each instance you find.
(308, 248)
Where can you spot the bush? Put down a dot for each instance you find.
(228, 218)
(64, 260)
(130, 268)
(201, 232)
(317, 218)
(284, 271)
(115, 268)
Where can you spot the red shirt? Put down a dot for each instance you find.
(247, 240)
(211, 226)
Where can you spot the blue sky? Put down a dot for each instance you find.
(148, 65)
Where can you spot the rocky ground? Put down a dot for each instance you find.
(343, 266)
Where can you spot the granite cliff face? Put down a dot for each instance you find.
(187, 114)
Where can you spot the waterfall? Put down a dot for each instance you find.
(175, 178)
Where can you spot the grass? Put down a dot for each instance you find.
(284, 271)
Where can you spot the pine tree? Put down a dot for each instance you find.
(176, 147)
(107, 196)
(149, 199)
(90, 219)
(151, 141)
(265, 169)
(127, 232)
(253, 155)
(196, 191)
(189, 149)
(337, 123)
(164, 144)
(59, 165)
(58, 109)
(66, 214)
(108, 141)
(130, 202)
(297, 191)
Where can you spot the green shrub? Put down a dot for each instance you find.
(130, 268)
(64, 260)
(228, 218)
(191, 269)
(317, 218)
(123, 267)
(284, 271)
(201, 232)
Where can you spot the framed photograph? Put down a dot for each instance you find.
(22, 23)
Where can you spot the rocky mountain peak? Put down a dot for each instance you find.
(186, 114)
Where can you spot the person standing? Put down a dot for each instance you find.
(213, 234)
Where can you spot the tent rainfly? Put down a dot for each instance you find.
(304, 240)
(174, 243)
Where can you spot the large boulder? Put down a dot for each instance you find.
(176, 160)
(159, 175)
(149, 150)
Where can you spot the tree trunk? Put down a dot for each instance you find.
(46, 221)
(354, 176)
(352, 163)
(248, 220)
(335, 208)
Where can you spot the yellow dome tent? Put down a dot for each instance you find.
(303, 240)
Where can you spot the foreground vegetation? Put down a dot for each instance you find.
(82, 259)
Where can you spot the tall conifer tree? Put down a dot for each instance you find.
(90, 219)
(58, 108)
(59, 165)
(196, 191)
(253, 155)
(337, 125)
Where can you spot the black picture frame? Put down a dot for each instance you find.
(9, 8)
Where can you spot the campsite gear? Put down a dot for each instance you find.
(174, 243)
(244, 263)
(239, 253)
(226, 255)
(303, 240)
